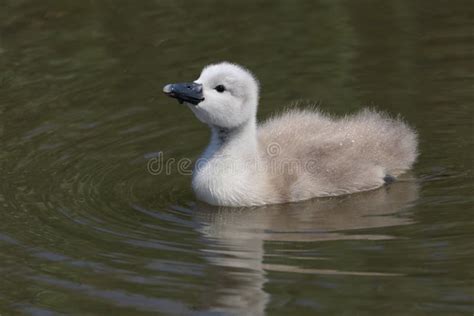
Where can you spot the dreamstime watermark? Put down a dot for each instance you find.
(273, 162)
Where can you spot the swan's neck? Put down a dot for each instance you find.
(239, 141)
(227, 172)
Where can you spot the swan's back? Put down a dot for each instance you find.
(313, 154)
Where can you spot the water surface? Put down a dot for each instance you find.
(86, 229)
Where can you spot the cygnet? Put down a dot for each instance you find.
(296, 155)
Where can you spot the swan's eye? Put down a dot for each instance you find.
(220, 88)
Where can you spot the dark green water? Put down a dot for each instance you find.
(85, 229)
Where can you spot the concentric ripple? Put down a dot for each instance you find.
(81, 199)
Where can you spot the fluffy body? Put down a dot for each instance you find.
(324, 156)
(297, 155)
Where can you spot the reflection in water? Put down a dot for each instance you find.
(237, 236)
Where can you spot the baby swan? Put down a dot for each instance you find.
(294, 156)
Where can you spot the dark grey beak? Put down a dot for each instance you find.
(185, 92)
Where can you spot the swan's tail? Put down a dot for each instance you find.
(396, 143)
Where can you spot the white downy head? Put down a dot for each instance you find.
(225, 95)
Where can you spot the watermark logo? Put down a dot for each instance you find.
(274, 163)
(273, 149)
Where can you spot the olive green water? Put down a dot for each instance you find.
(86, 229)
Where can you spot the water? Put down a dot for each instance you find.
(86, 229)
